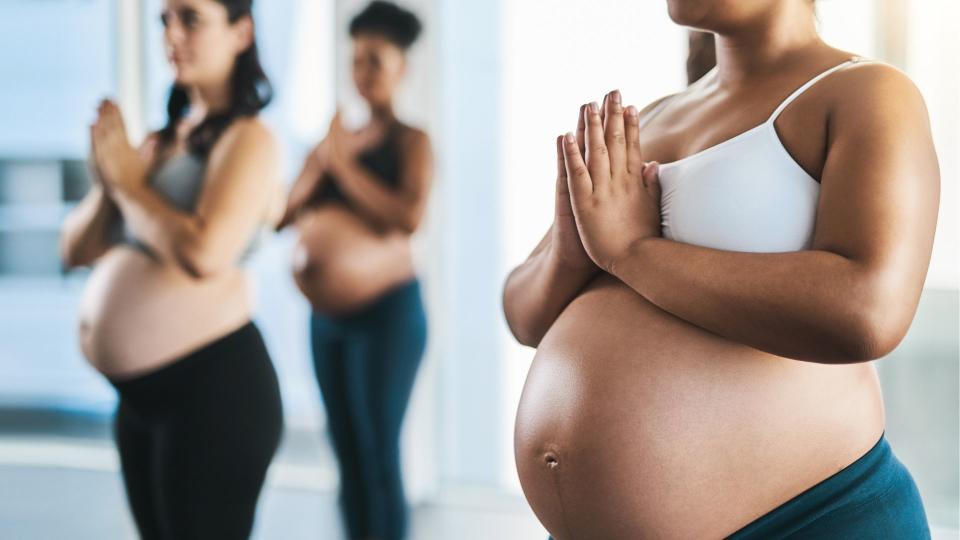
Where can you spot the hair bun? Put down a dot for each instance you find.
(397, 24)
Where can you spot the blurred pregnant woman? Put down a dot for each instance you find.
(166, 313)
(705, 307)
(359, 198)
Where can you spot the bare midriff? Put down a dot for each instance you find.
(341, 263)
(139, 314)
(636, 424)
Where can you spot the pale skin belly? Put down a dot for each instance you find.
(138, 315)
(341, 264)
(636, 424)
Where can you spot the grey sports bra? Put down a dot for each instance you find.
(180, 181)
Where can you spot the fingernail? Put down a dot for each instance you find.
(631, 111)
(615, 96)
(594, 108)
(570, 138)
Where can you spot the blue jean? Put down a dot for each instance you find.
(366, 364)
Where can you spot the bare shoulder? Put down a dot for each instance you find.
(414, 138)
(875, 92)
(652, 106)
(250, 137)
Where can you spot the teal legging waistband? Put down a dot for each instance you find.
(873, 497)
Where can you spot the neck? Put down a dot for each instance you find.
(382, 113)
(205, 100)
(767, 43)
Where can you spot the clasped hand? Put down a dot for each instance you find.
(613, 193)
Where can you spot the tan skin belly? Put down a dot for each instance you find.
(635, 424)
(138, 315)
(340, 263)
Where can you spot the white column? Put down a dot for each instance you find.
(130, 71)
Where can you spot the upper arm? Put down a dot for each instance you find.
(416, 171)
(240, 187)
(880, 188)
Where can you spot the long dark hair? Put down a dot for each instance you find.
(250, 91)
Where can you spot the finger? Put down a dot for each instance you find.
(561, 166)
(597, 158)
(631, 131)
(651, 178)
(614, 132)
(149, 150)
(92, 153)
(562, 189)
(581, 129)
(96, 139)
(116, 117)
(603, 111)
(578, 178)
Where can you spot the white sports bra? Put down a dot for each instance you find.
(743, 194)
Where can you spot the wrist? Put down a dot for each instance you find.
(127, 192)
(634, 254)
(560, 265)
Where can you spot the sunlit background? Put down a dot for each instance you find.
(493, 82)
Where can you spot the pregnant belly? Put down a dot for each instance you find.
(137, 315)
(636, 424)
(341, 264)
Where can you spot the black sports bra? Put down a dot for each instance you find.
(383, 160)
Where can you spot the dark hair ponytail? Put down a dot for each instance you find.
(250, 91)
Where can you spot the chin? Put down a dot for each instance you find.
(688, 12)
(182, 75)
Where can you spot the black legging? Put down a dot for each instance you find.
(196, 438)
(366, 365)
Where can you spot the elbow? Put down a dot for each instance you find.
(883, 309)
(409, 222)
(71, 256)
(197, 259)
(522, 331)
(873, 334)
(197, 265)
(527, 338)
(68, 255)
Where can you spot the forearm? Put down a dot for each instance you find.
(303, 188)
(386, 208)
(537, 291)
(168, 232)
(809, 305)
(298, 197)
(86, 231)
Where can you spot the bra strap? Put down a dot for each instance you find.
(811, 82)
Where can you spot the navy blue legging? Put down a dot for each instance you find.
(366, 364)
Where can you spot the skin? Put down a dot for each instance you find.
(683, 392)
(347, 257)
(133, 312)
